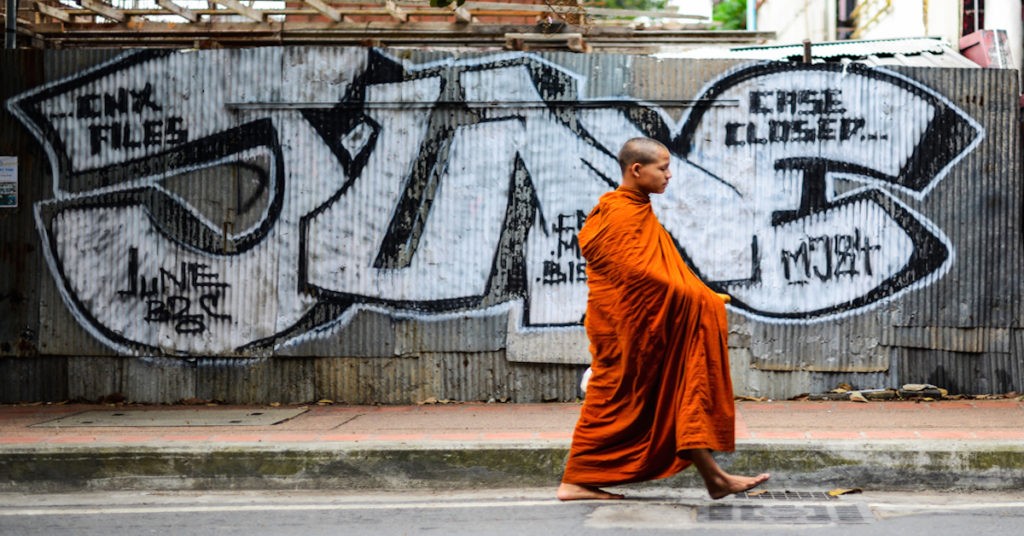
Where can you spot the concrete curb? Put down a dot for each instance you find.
(879, 465)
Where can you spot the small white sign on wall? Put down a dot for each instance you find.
(8, 181)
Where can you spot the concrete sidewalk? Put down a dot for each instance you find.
(896, 445)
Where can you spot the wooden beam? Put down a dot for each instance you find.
(528, 41)
(245, 11)
(180, 11)
(55, 34)
(104, 10)
(54, 12)
(671, 13)
(395, 11)
(327, 10)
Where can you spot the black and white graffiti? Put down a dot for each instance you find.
(809, 161)
(204, 206)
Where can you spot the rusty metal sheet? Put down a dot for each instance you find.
(377, 380)
(285, 380)
(147, 379)
(35, 379)
(959, 373)
(969, 340)
(477, 332)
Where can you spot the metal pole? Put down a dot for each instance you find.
(751, 15)
(11, 32)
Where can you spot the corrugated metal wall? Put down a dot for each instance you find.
(293, 224)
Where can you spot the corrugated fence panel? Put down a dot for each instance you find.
(118, 379)
(33, 379)
(379, 380)
(476, 377)
(961, 373)
(978, 207)
(386, 214)
(256, 380)
(21, 259)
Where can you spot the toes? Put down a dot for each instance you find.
(739, 485)
(584, 493)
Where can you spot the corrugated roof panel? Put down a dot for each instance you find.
(922, 52)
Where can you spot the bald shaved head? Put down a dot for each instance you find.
(646, 165)
(641, 151)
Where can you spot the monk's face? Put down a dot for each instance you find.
(653, 178)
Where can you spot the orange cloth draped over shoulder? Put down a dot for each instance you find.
(660, 382)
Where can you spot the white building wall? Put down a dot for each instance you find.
(1006, 15)
(796, 20)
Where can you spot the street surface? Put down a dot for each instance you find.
(650, 511)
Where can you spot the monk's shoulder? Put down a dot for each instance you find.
(619, 208)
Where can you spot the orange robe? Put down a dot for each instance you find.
(660, 382)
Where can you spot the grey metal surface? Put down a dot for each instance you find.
(771, 495)
(960, 372)
(33, 379)
(287, 380)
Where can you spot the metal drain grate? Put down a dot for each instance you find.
(787, 495)
(788, 514)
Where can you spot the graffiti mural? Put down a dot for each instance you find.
(812, 160)
(205, 205)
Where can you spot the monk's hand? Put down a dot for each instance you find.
(725, 297)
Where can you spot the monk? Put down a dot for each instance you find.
(660, 395)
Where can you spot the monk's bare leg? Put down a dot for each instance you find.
(577, 492)
(718, 482)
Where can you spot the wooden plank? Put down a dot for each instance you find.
(543, 37)
(245, 11)
(54, 12)
(589, 10)
(327, 10)
(398, 10)
(389, 32)
(523, 41)
(442, 28)
(412, 30)
(180, 11)
(103, 10)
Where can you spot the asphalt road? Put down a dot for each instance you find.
(505, 512)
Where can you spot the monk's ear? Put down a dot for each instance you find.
(635, 168)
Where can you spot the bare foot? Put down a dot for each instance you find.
(576, 492)
(730, 484)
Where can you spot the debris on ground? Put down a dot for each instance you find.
(844, 491)
(195, 402)
(922, 391)
(432, 401)
(857, 396)
(918, 392)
